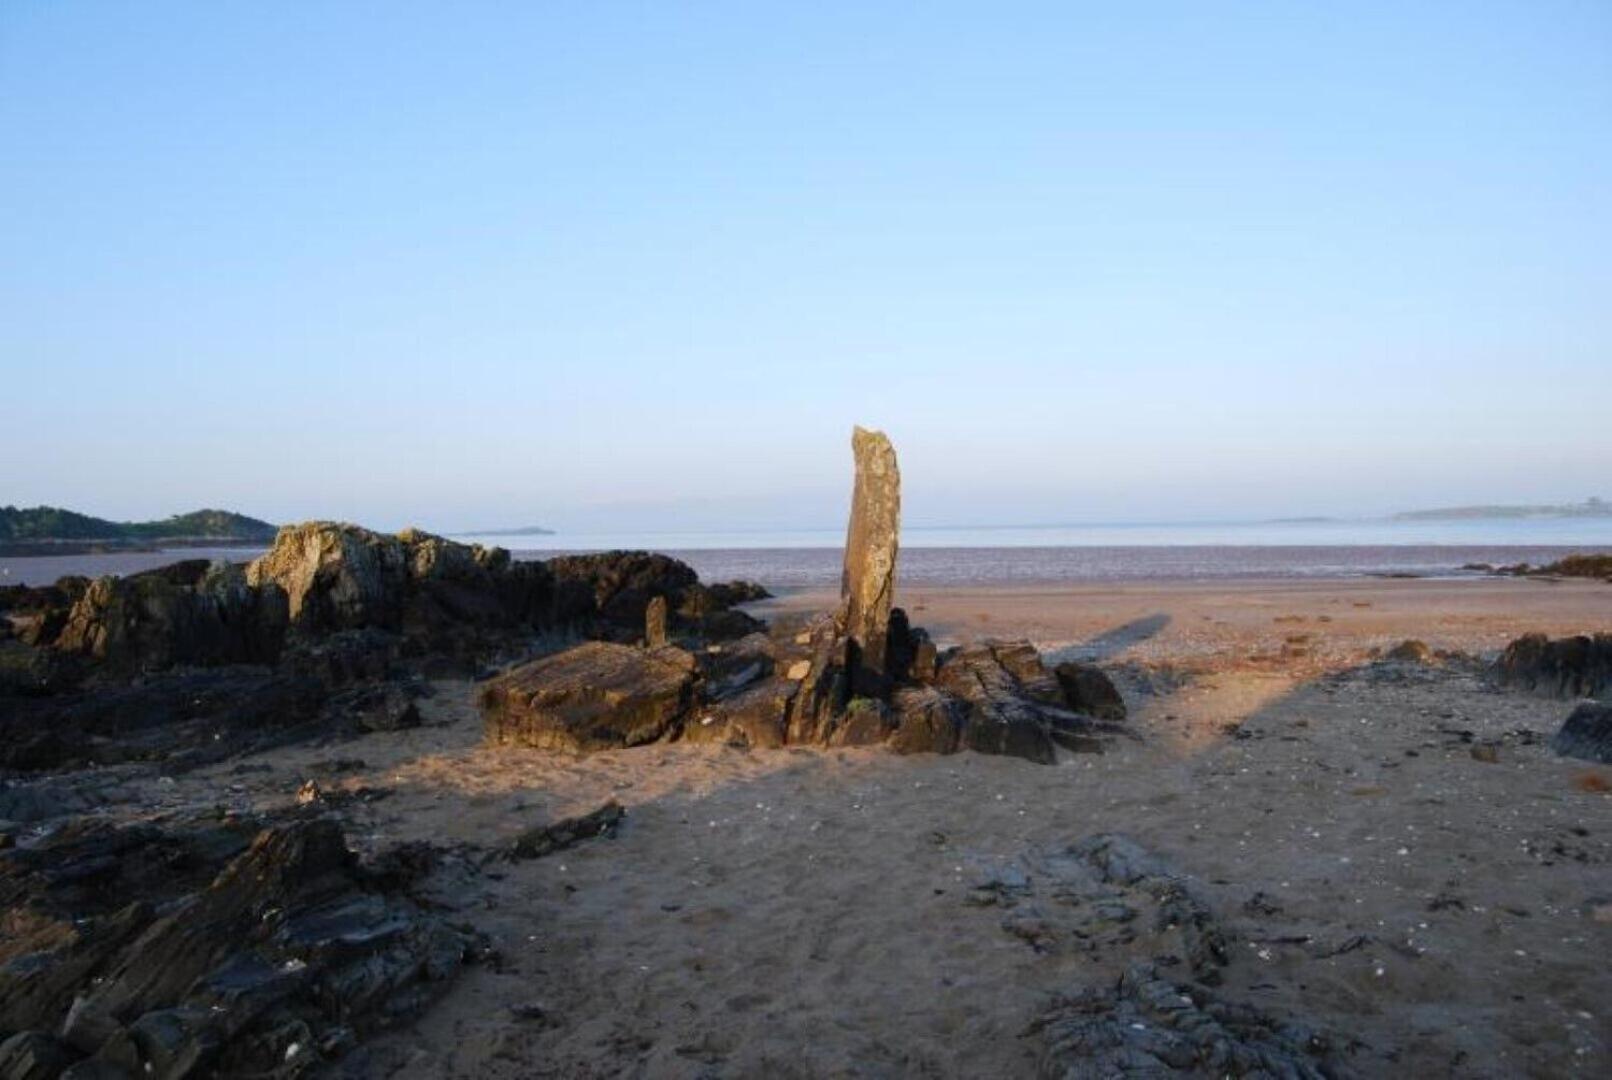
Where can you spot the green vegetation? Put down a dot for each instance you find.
(46, 524)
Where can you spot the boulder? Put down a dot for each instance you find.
(927, 721)
(1567, 667)
(1087, 690)
(1587, 734)
(868, 583)
(597, 696)
(999, 716)
(754, 718)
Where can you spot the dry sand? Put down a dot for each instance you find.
(803, 913)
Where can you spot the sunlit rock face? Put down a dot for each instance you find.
(868, 584)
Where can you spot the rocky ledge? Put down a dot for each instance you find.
(336, 629)
(234, 947)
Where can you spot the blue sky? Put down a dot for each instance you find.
(616, 265)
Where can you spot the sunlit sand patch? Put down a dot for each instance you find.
(1209, 710)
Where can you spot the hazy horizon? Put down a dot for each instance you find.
(604, 268)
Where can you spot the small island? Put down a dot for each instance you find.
(1589, 508)
(525, 530)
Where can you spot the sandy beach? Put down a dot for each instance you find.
(1395, 854)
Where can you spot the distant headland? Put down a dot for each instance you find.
(527, 530)
(50, 530)
(1589, 508)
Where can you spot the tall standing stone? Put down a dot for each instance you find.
(868, 584)
(655, 622)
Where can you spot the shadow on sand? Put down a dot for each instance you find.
(1111, 643)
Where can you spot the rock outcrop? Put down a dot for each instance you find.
(868, 582)
(322, 581)
(191, 612)
(331, 632)
(212, 948)
(1587, 734)
(1567, 667)
(597, 696)
(863, 676)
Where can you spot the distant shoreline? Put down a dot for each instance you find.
(44, 549)
(784, 568)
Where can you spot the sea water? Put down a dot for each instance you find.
(1025, 555)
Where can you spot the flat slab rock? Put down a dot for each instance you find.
(597, 696)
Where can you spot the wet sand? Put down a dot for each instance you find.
(804, 913)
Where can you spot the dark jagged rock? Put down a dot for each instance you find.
(36, 615)
(866, 722)
(1587, 734)
(1120, 861)
(34, 1055)
(1107, 895)
(182, 717)
(210, 950)
(868, 584)
(732, 667)
(1564, 668)
(619, 584)
(197, 660)
(729, 593)
(28, 598)
(547, 839)
(597, 696)
(610, 592)
(754, 718)
(191, 612)
(390, 706)
(1148, 1025)
(1087, 690)
(927, 721)
(346, 657)
(1000, 717)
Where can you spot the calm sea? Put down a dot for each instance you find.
(1030, 555)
